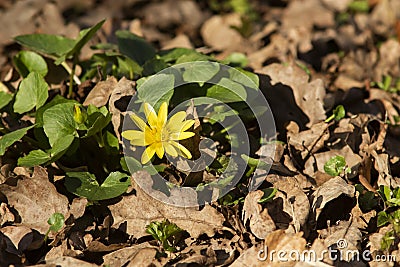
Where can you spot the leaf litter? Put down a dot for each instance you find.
(310, 58)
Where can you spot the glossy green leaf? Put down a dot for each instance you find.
(32, 92)
(5, 99)
(134, 47)
(40, 157)
(97, 119)
(84, 37)
(227, 91)
(58, 122)
(28, 61)
(84, 184)
(12, 137)
(51, 45)
(165, 89)
(200, 71)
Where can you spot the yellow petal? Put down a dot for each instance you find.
(181, 136)
(150, 115)
(148, 153)
(162, 114)
(139, 142)
(132, 134)
(186, 125)
(175, 121)
(149, 135)
(138, 121)
(183, 150)
(170, 149)
(159, 149)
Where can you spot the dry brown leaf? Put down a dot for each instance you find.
(5, 214)
(78, 207)
(309, 96)
(139, 210)
(329, 191)
(309, 141)
(66, 261)
(122, 256)
(35, 199)
(260, 221)
(218, 33)
(100, 94)
(119, 101)
(295, 203)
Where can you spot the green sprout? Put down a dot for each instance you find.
(338, 114)
(391, 199)
(388, 84)
(166, 233)
(336, 165)
(56, 222)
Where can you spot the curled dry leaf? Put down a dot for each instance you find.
(260, 221)
(309, 96)
(119, 100)
(100, 94)
(139, 210)
(309, 141)
(35, 199)
(329, 191)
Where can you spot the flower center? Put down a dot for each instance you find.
(161, 134)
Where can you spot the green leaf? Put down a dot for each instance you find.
(338, 114)
(156, 89)
(154, 66)
(84, 184)
(134, 47)
(236, 59)
(28, 61)
(335, 165)
(5, 99)
(227, 91)
(84, 37)
(52, 45)
(33, 92)
(269, 194)
(58, 122)
(382, 219)
(176, 53)
(34, 158)
(97, 119)
(39, 157)
(10, 138)
(200, 71)
(58, 99)
(56, 222)
(246, 78)
(128, 67)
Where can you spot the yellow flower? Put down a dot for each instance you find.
(159, 134)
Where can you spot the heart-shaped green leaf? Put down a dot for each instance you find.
(84, 184)
(134, 47)
(33, 92)
(28, 61)
(58, 122)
